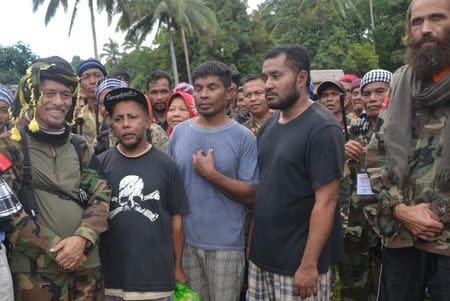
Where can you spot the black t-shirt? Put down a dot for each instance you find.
(136, 252)
(294, 159)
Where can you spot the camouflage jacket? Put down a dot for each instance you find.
(252, 125)
(34, 238)
(427, 139)
(88, 130)
(358, 229)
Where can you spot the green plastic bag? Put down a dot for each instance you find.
(185, 293)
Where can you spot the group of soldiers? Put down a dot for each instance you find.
(97, 203)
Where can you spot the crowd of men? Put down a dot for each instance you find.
(252, 189)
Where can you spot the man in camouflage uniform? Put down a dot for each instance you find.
(330, 94)
(255, 101)
(360, 268)
(408, 162)
(55, 253)
(90, 72)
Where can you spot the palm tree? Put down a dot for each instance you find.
(53, 6)
(110, 6)
(183, 16)
(111, 52)
(131, 43)
(338, 5)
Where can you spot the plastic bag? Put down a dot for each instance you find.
(185, 293)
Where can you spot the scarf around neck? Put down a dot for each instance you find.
(406, 91)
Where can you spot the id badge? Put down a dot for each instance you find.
(363, 184)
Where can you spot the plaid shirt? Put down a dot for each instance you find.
(9, 204)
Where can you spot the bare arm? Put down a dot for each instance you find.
(320, 226)
(178, 245)
(237, 190)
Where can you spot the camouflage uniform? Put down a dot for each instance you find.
(423, 262)
(427, 140)
(36, 274)
(88, 130)
(64, 286)
(360, 268)
(252, 125)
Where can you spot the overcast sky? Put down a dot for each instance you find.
(19, 23)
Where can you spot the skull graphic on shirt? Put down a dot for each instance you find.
(131, 197)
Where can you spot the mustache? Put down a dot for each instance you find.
(55, 108)
(270, 93)
(413, 43)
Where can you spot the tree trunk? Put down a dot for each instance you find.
(372, 24)
(94, 35)
(172, 52)
(186, 56)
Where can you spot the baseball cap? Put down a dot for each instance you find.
(121, 94)
(329, 84)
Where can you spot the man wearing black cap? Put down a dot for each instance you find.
(141, 252)
(90, 72)
(330, 94)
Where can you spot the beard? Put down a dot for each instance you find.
(159, 107)
(287, 101)
(426, 61)
(132, 145)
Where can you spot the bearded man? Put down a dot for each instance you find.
(408, 162)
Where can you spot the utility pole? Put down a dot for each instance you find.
(372, 21)
(372, 24)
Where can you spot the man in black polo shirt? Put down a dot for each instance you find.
(296, 234)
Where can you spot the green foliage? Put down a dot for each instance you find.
(14, 61)
(337, 33)
(361, 57)
(390, 18)
(76, 62)
(111, 52)
(241, 41)
(173, 16)
(139, 64)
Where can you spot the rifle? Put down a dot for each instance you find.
(344, 116)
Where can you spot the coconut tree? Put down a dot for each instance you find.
(338, 5)
(53, 6)
(175, 16)
(110, 6)
(111, 52)
(131, 43)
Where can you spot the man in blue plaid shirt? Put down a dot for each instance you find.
(9, 205)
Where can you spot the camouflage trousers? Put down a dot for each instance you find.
(66, 286)
(359, 271)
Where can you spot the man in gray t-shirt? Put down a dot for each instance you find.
(217, 158)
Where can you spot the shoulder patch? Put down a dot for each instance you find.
(5, 164)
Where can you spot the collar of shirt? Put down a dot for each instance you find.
(438, 76)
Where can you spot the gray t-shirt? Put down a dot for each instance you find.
(215, 222)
